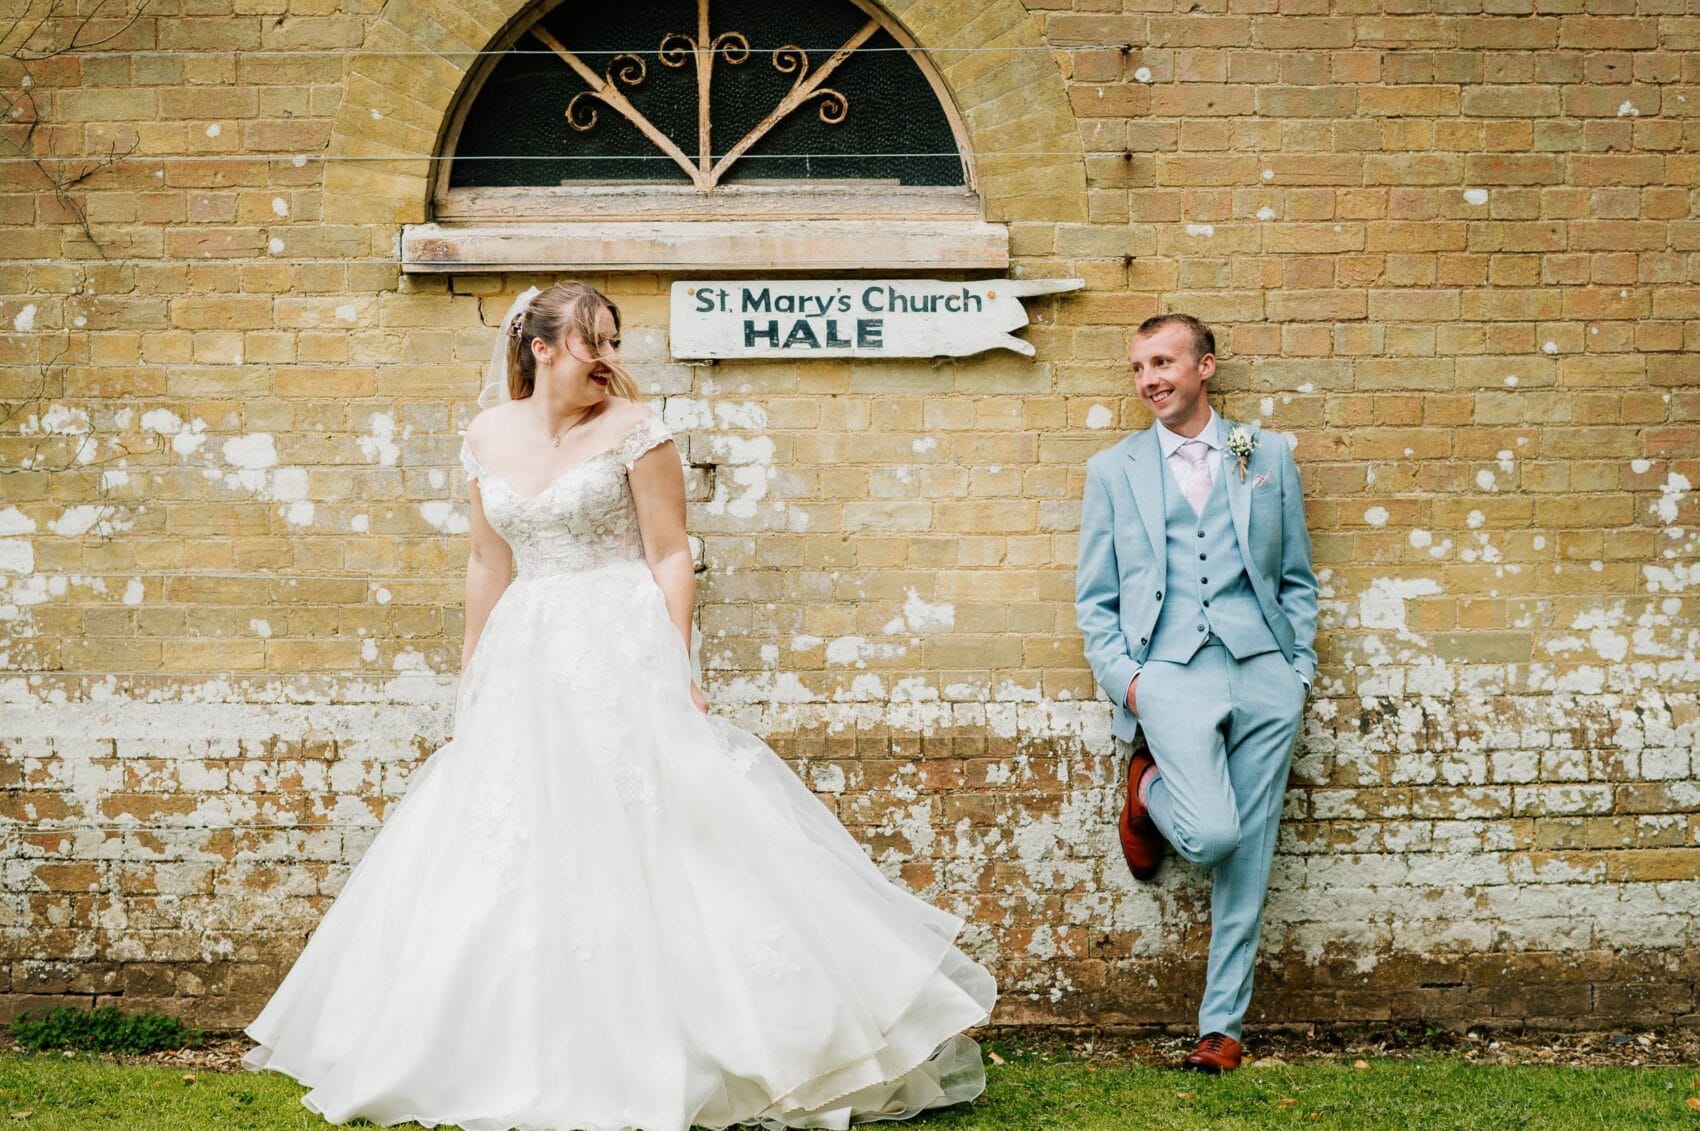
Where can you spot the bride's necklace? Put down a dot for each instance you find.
(556, 437)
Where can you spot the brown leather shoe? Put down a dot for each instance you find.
(1214, 1054)
(1142, 844)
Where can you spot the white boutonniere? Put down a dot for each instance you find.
(1242, 441)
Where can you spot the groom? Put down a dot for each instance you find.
(1196, 597)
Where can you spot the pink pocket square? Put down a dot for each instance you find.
(1261, 479)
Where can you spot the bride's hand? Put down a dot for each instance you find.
(699, 698)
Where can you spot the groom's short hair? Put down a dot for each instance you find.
(1203, 340)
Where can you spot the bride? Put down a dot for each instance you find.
(598, 906)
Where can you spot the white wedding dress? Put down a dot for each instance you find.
(596, 907)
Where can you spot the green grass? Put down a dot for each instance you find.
(1033, 1090)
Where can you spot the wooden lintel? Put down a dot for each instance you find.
(695, 246)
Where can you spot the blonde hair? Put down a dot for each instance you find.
(563, 309)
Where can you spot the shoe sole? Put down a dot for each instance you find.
(1124, 828)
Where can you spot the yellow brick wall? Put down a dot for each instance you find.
(1454, 252)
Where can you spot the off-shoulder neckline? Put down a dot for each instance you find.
(611, 449)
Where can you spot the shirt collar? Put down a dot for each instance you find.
(1211, 435)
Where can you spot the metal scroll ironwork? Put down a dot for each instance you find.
(675, 50)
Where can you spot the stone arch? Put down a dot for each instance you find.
(402, 85)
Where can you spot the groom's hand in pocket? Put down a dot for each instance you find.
(1133, 695)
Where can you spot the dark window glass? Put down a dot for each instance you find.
(516, 131)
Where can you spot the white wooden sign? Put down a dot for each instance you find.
(853, 317)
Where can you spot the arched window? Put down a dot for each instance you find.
(704, 133)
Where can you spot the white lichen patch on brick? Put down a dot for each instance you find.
(57, 420)
(913, 689)
(186, 438)
(856, 651)
(692, 414)
(254, 457)
(380, 445)
(1671, 493)
(445, 517)
(918, 616)
(827, 779)
(14, 522)
(16, 556)
(79, 519)
(1382, 605)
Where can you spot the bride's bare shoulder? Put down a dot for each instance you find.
(623, 413)
(485, 430)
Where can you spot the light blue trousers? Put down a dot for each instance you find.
(1222, 732)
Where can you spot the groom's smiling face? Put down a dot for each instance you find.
(1171, 378)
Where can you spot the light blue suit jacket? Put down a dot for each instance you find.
(1123, 561)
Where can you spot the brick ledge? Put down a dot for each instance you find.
(706, 245)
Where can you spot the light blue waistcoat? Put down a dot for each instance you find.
(1205, 565)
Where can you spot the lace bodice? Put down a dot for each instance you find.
(584, 518)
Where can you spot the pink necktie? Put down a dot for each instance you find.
(1198, 484)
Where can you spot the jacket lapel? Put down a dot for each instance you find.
(1145, 476)
(1239, 492)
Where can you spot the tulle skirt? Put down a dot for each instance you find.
(596, 908)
